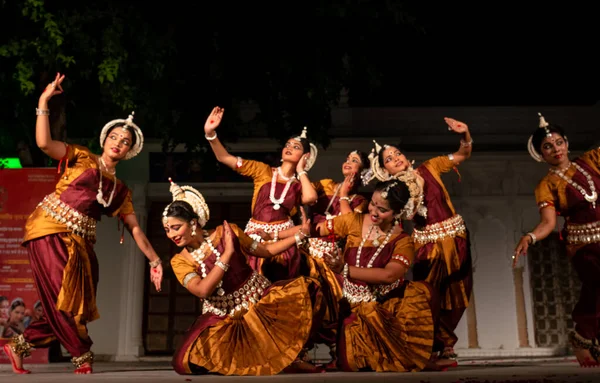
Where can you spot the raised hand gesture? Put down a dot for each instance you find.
(52, 89)
(213, 121)
(456, 126)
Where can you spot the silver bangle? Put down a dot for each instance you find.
(533, 238)
(465, 144)
(304, 172)
(211, 137)
(154, 264)
(222, 265)
(42, 112)
(345, 199)
(253, 246)
(345, 271)
(298, 240)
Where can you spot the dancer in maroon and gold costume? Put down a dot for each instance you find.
(248, 326)
(277, 193)
(570, 189)
(387, 322)
(443, 251)
(61, 232)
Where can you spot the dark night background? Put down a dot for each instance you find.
(173, 61)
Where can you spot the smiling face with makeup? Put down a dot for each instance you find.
(393, 160)
(554, 150)
(551, 143)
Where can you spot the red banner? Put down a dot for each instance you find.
(20, 191)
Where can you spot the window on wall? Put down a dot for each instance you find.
(555, 291)
(170, 312)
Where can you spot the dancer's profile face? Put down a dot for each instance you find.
(292, 151)
(394, 161)
(179, 231)
(118, 142)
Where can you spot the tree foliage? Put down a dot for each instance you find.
(121, 56)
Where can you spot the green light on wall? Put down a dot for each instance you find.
(10, 163)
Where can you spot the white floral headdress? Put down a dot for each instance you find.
(314, 152)
(127, 124)
(191, 196)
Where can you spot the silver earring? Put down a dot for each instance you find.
(281, 160)
(193, 230)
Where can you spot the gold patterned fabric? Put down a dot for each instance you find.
(261, 338)
(393, 329)
(75, 197)
(556, 193)
(393, 336)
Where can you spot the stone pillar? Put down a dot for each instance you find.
(521, 313)
(472, 322)
(130, 346)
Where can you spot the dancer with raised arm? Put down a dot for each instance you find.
(61, 232)
(277, 193)
(570, 189)
(441, 238)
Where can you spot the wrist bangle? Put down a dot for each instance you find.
(465, 144)
(345, 199)
(304, 172)
(222, 265)
(211, 137)
(533, 238)
(155, 264)
(42, 112)
(299, 241)
(345, 271)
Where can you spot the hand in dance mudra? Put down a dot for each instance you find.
(335, 261)
(302, 163)
(347, 185)
(521, 249)
(156, 276)
(228, 235)
(456, 126)
(213, 121)
(53, 88)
